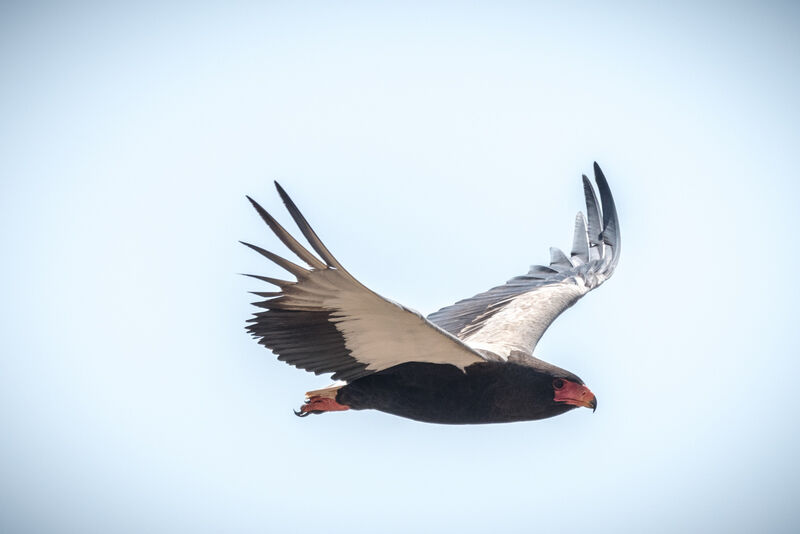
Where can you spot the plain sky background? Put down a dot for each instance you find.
(437, 149)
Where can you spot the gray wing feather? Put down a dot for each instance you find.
(512, 317)
(610, 235)
(559, 260)
(580, 242)
(593, 225)
(592, 212)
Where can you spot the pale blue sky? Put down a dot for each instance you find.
(437, 149)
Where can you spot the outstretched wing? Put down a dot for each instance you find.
(328, 322)
(513, 317)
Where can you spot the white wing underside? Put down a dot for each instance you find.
(519, 325)
(510, 319)
(376, 330)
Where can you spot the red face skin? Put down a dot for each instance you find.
(573, 393)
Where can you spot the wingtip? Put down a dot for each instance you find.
(257, 206)
(250, 245)
(254, 247)
(287, 200)
(599, 177)
(598, 172)
(281, 190)
(603, 187)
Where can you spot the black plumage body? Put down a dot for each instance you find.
(489, 392)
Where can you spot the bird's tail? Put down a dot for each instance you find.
(322, 400)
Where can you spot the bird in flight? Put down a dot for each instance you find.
(468, 363)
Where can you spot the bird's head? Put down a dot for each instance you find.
(572, 390)
(565, 389)
(553, 390)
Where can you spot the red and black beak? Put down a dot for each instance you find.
(576, 395)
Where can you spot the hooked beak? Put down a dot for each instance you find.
(576, 395)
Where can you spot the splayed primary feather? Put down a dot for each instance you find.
(328, 322)
(514, 316)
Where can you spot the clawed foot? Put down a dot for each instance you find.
(319, 404)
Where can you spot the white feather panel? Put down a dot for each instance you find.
(521, 322)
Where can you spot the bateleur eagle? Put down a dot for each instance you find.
(471, 362)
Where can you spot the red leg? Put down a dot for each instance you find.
(318, 404)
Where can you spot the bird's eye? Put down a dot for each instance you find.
(558, 383)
